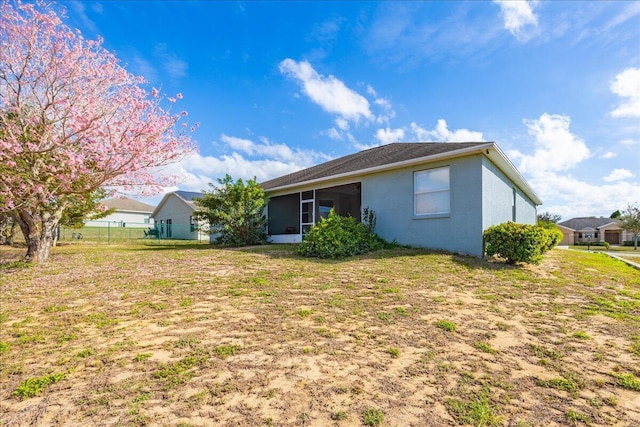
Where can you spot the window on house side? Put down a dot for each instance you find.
(431, 191)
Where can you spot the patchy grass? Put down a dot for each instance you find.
(372, 417)
(34, 386)
(163, 332)
(446, 325)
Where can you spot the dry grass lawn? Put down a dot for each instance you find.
(189, 335)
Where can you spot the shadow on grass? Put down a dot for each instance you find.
(289, 251)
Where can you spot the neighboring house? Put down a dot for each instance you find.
(174, 217)
(435, 195)
(595, 229)
(127, 213)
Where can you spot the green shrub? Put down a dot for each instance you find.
(340, 236)
(34, 386)
(520, 242)
(372, 417)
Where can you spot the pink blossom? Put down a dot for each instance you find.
(103, 129)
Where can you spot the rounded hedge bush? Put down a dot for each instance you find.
(339, 237)
(520, 242)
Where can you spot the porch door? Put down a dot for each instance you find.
(169, 224)
(307, 210)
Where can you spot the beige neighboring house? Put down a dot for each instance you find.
(175, 217)
(128, 213)
(594, 229)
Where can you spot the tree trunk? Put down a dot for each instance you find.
(38, 234)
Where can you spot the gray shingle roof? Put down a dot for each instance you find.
(379, 156)
(128, 205)
(586, 222)
(188, 195)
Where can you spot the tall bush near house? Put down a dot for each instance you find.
(235, 211)
(340, 236)
(520, 242)
(554, 235)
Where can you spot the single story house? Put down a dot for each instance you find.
(594, 229)
(435, 195)
(175, 217)
(127, 213)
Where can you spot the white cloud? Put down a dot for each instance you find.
(80, 12)
(334, 134)
(441, 133)
(172, 64)
(263, 159)
(574, 198)
(518, 17)
(145, 69)
(608, 155)
(556, 148)
(630, 141)
(386, 111)
(241, 144)
(627, 85)
(271, 150)
(387, 136)
(328, 92)
(342, 124)
(618, 175)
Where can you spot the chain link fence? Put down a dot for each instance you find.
(118, 232)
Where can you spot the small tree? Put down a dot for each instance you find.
(549, 217)
(616, 214)
(630, 221)
(72, 120)
(75, 215)
(235, 211)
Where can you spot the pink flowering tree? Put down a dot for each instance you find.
(72, 121)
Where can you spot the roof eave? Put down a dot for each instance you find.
(389, 166)
(499, 158)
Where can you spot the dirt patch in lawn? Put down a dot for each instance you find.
(197, 336)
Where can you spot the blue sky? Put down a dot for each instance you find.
(279, 86)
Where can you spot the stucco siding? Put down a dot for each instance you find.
(526, 211)
(179, 213)
(498, 199)
(391, 195)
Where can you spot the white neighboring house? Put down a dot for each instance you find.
(175, 217)
(128, 213)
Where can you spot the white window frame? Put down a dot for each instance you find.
(416, 176)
